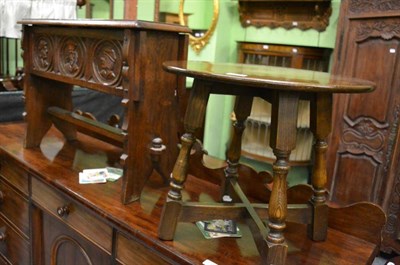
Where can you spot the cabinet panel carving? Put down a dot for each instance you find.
(379, 29)
(68, 56)
(366, 132)
(43, 48)
(358, 6)
(364, 136)
(77, 217)
(106, 63)
(63, 246)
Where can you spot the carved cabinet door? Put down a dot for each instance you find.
(363, 157)
(63, 246)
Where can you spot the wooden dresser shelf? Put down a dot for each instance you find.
(129, 231)
(302, 14)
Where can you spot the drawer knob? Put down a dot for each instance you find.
(1, 197)
(63, 211)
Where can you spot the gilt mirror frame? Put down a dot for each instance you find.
(198, 43)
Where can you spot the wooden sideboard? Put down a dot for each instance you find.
(363, 156)
(47, 217)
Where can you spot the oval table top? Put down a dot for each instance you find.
(269, 77)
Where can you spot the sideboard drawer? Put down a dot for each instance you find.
(13, 247)
(74, 215)
(131, 252)
(14, 207)
(14, 174)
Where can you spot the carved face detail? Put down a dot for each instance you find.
(71, 57)
(107, 62)
(43, 53)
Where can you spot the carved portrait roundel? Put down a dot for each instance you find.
(43, 53)
(107, 62)
(71, 59)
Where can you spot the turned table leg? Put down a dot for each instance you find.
(282, 141)
(242, 111)
(194, 117)
(321, 112)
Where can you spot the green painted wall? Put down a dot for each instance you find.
(145, 10)
(218, 122)
(13, 63)
(100, 9)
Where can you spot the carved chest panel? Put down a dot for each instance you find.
(75, 54)
(366, 135)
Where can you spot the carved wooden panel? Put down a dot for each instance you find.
(91, 60)
(107, 63)
(287, 14)
(61, 246)
(364, 146)
(363, 6)
(367, 118)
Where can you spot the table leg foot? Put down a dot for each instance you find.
(169, 220)
(318, 228)
(276, 253)
(173, 206)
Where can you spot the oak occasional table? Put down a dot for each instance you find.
(282, 87)
(117, 57)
